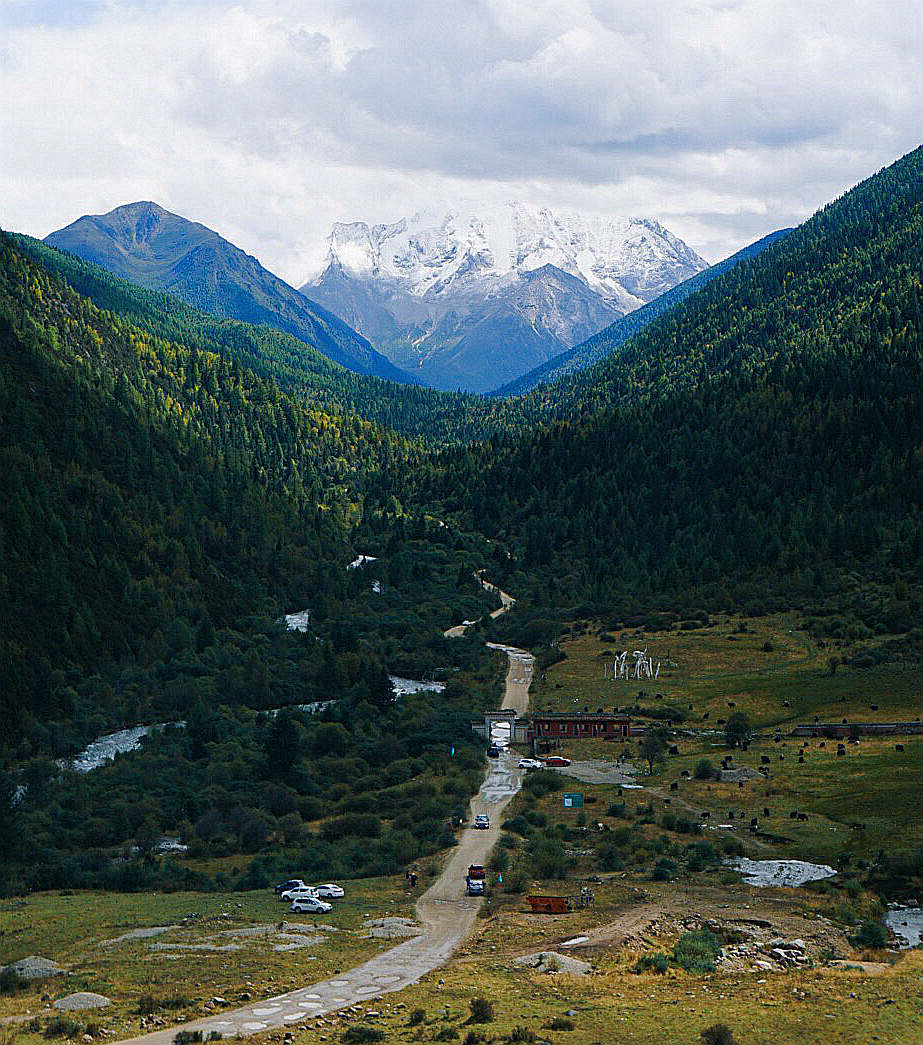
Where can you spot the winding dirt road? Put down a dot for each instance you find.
(446, 913)
(506, 603)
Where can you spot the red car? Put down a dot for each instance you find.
(557, 760)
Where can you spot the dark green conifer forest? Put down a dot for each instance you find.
(172, 484)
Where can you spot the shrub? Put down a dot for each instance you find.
(845, 915)
(416, 1017)
(61, 1027)
(738, 730)
(446, 1034)
(658, 963)
(149, 1004)
(518, 824)
(473, 1038)
(700, 856)
(522, 1034)
(549, 859)
(870, 934)
(514, 884)
(481, 1010)
(664, 870)
(541, 782)
(718, 1034)
(616, 810)
(560, 1023)
(500, 860)
(11, 981)
(610, 859)
(697, 951)
(359, 1035)
(730, 845)
(352, 825)
(704, 769)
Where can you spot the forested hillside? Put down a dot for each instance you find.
(161, 506)
(154, 493)
(413, 410)
(758, 444)
(607, 341)
(815, 291)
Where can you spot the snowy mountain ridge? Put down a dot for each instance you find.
(461, 296)
(629, 260)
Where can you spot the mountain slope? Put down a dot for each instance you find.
(600, 345)
(148, 486)
(471, 298)
(148, 245)
(413, 410)
(758, 440)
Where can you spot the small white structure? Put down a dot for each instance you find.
(361, 560)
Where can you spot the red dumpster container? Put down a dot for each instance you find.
(549, 904)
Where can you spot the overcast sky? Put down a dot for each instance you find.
(267, 121)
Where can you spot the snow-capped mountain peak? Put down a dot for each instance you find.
(425, 287)
(620, 258)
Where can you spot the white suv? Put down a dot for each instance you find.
(311, 905)
(297, 893)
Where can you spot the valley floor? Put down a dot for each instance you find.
(586, 989)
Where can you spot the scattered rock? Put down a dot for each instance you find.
(35, 968)
(393, 928)
(551, 961)
(195, 947)
(81, 1000)
(138, 934)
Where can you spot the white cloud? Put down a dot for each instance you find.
(269, 120)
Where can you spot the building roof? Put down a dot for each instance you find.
(582, 716)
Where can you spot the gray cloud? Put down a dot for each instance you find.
(723, 119)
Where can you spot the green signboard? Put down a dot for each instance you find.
(573, 800)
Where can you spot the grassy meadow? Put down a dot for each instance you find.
(200, 957)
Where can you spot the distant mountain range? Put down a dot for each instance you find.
(606, 341)
(148, 245)
(474, 299)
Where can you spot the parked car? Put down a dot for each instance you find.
(329, 891)
(530, 763)
(493, 751)
(475, 886)
(292, 883)
(311, 905)
(557, 760)
(482, 822)
(297, 893)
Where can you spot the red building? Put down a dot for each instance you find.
(574, 725)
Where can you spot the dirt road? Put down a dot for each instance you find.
(446, 913)
(506, 603)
